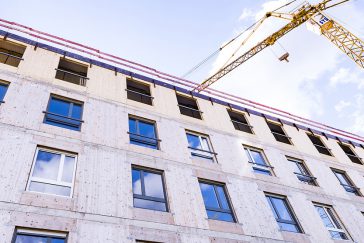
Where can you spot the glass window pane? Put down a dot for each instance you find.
(153, 185)
(257, 157)
(3, 89)
(261, 171)
(342, 179)
(209, 196)
(76, 111)
(223, 201)
(147, 204)
(338, 235)
(220, 216)
(132, 126)
(325, 218)
(68, 169)
(137, 186)
(248, 155)
(333, 218)
(205, 144)
(30, 239)
(288, 227)
(145, 142)
(60, 107)
(271, 207)
(193, 141)
(47, 165)
(281, 208)
(50, 189)
(57, 241)
(146, 129)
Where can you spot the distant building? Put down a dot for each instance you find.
(93, 153)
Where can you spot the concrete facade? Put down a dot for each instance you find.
(101, 207)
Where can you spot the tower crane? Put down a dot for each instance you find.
(351, 45)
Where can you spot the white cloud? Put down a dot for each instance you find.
(358, 115)
(247, 13)
(342, 105)
(348, 76)
(263, 78)
(297, 86)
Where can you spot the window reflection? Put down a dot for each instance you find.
(216, 202)
(143, 133)
(53, 173)
(148, 189)
(64, 113)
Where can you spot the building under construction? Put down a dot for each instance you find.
(96, 148)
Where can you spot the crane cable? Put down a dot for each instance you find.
(232, 40)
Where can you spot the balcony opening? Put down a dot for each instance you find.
(320, 146)
(350, 153)
(188, 107)
(11, 53)
(240, 122)
(278, 133)
(72, 72)
(139, 92)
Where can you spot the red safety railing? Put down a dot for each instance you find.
(171, 78)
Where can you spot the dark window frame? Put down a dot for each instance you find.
(350, 186)
(267, 167)
(5, 84)
(12, 54)
(81, 75)
(142, 184)
(151, 122)
(72, 102)
(216, 184)
(38, 232)
(295, 222)
(279, 137)
(143, 97)
(352, 156)
(305, 175)
(242, 125)
(212, 152)
(318, 146)
(195, 113)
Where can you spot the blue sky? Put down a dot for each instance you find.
(319, 82)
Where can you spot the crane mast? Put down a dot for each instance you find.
(342, 38)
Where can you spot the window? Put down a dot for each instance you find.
(138, 91)
(72, 72)
(38, 236)
(53, 172)
(278, 133)
(331, 221)
(200, 146)
(301, 171)
(3, 88)
(240, 122)
(216, 202)
(283, 213)
(188, 107)
(142, 132)
(63, 112)
(11, 53)
(320, 146)
(350, 153)
(257, 158)
(148, 189)
(346, 182)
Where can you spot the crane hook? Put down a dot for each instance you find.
(284, 57)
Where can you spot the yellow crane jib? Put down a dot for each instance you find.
(342, 38)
